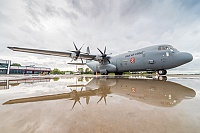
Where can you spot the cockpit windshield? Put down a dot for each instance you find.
(166, 47)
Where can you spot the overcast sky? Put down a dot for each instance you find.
(121, 25)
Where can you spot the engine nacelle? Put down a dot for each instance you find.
(98, 58)
(74, 56)
(107, 68)
(106, 82)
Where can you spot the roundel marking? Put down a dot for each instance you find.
(132, 60)
(133, 90)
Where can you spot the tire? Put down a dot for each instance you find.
(162, 78)
(118, 73)
(162, 72)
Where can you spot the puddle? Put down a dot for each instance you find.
(98, 104)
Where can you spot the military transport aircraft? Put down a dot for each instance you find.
(157, 58)
(149, 91)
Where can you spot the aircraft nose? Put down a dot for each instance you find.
(184, 57)
(187, 57)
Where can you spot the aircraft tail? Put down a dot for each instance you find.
(87, 52)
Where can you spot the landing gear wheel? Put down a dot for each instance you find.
(106, 73)
(118, 73)
(162, 72)
(162, 78)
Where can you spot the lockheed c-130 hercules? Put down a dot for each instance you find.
(157, 58)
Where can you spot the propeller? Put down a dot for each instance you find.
(77, 52)
(104, 92)
(103, 54)
(74, 94)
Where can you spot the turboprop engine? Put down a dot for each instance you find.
(107, 68)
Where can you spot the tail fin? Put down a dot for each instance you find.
(88, 50)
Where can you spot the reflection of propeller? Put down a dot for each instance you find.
(75, 96)
(77, 52)
(104, 91)
(103, 96)
(104, 55)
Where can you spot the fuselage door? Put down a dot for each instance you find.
(167, 59)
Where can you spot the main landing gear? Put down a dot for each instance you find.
(95, 73)
(104, 73)
(161, 72)
(118, 73)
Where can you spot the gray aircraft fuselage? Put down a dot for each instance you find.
(153, 58)
(150, 91)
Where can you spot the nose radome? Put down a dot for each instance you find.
(188, 57)
(181, 58)
(185, 57)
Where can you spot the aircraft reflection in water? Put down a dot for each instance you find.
(149, 91)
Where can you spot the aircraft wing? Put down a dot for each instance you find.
(39, 98)
(71, 96)
(53, 53)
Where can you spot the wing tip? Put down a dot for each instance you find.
(10, 48)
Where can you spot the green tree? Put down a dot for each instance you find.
(57, 71)
(16, 64)
(80, 70)
(88, 71)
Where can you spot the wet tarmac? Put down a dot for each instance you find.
(100, 104)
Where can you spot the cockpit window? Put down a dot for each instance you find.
(166, 48)
(162, 48)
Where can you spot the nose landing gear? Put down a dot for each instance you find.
(162, 78)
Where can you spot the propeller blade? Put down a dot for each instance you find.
(73, 105)
(100, 51)
(105, 100)
(105, 50)
(75, 46)
(82, 60)
(80, 104)
(100, 99)
(108, 60)
(81, 47)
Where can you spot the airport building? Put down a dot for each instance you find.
(6, 68)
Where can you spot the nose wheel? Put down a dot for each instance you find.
(162, 78)
(162, 72)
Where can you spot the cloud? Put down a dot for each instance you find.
(119, 25)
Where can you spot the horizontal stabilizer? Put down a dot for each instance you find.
(76, 63)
